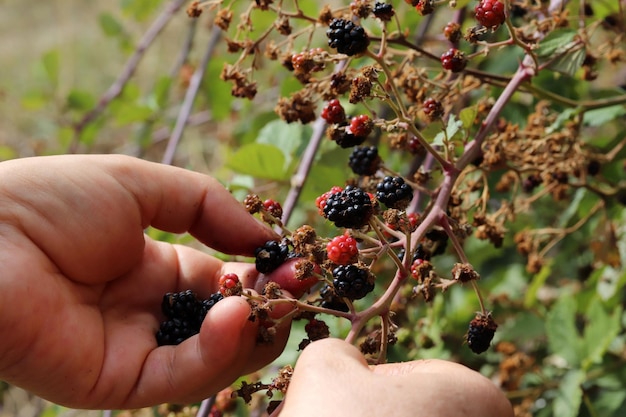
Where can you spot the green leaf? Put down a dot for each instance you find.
(569, 63)
(259, 160)
(80, 100)
(51, 65)
(468, 116)
(286, 137)
(569, 394)
(453, 127)
(555, 43)
(600, 331)
(602, 116)
(140, 9)
(530, 297)
(128, 113)
(572, 207)
(563, 339)
(162, 91)
(110, 25)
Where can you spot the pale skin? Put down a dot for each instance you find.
(81, 287)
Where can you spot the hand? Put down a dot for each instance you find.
(331, 378)
(81, 284)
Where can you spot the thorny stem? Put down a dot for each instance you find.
(128, 71)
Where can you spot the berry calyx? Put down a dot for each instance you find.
(453, 60)
(342, 249)
(364, 160)
(333, 112)
(480, 333)
(490, 13)
(350, 208)
(270, 256)
(352, 281)
(394, 192)
(347, 37)
(361, 126)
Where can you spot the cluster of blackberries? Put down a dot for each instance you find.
(185, 313)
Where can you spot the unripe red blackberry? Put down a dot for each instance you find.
(433, 109)
(350, 208)
(273, 207)
(453, 60)
(364, 160)
(342, 136)
(394, 192)
(425, 7)
(333, 112)
(347, 37)
(270, 256)
(383, 11)
(480, 333)
(452, 32)
(352, 282)
(361, 125)
(490, 13)
(342, 249)
(230, 285)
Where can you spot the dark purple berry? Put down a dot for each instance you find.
(480, 333)
(352, 282)
(270, 256)
(347, 37)
(383, 11)
(350, 208)
(364, 160)
(394, 192)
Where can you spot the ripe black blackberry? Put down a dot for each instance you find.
(181, 305)
(185, 313)
(207, 304)
(364, 160)
(331, 300)
(270, 256)
(347, 37)
(175, 331)
(352, 282)
(383, 11)
(394, 192)
(350, 208)
(480, 333)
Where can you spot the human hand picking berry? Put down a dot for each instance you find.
(81, 283)
(332, 378)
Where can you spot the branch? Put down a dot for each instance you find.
(127, 72)
(190, 97)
